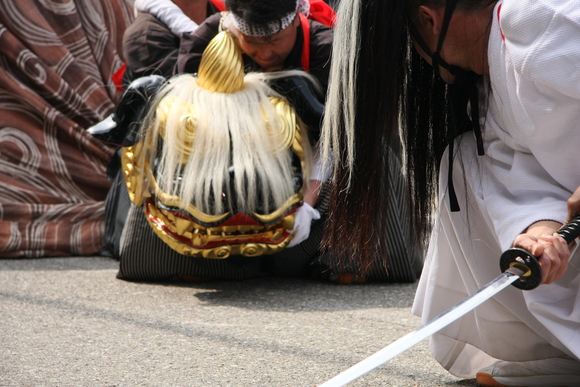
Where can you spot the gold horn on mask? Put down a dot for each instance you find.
(221, 69)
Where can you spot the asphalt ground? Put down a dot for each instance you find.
(70, 322)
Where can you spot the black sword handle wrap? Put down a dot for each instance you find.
(570, 230)
(533, 277)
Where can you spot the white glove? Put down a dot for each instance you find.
(302, 222)
(169, 13)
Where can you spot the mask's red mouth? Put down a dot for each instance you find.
(237, 234)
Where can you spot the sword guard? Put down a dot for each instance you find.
(523, 259)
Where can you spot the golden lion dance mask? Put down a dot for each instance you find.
(221, 161)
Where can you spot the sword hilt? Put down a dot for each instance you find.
(524, 260)
(570, 230)
(532, 276)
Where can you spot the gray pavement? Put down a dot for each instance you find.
(70, 322)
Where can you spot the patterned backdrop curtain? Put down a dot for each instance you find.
(56, 62)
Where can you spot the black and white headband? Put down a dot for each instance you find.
(273, 27)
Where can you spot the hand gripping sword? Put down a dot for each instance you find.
(519, 268)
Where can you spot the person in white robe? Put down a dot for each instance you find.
(512, 175)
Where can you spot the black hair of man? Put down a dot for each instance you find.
(261, 13)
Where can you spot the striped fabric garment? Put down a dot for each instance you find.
(145, 257)
(56, 63)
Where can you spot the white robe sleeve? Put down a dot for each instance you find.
(532, 127)
(169, 13)
(542, 38)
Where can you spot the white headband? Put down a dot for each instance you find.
(272, 28)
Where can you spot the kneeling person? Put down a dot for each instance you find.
(216, 179)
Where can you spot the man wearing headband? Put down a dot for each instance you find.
(273, 35)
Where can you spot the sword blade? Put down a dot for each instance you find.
(397, 347)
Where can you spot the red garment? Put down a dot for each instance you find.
(322, 13)
(219, 4)
(306, 47)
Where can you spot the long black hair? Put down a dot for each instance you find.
(381, 89)
(360, 125)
